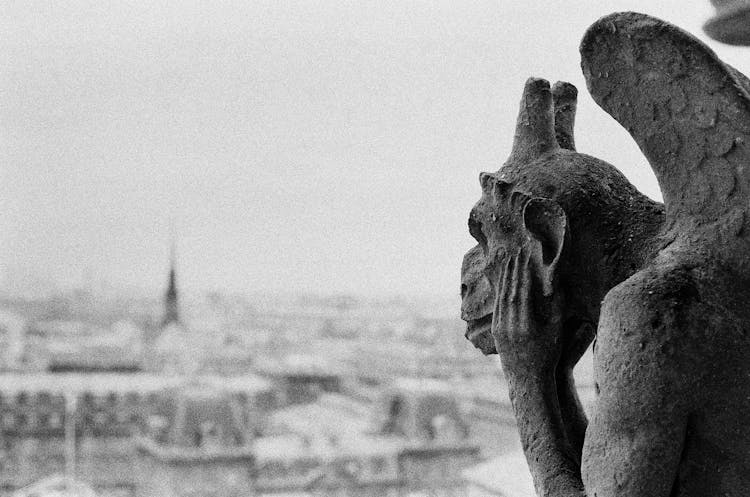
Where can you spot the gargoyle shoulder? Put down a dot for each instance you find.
(654, 323)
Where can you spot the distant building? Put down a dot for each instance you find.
(92, 349)
(171, 348)
(111, 411)
(300, 378)
(379, 362)
(424, 410)
(348, 447)
(12, 331)
(366, 467)
(203, 447)
(171, 302)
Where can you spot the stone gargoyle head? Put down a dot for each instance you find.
(573, 224)
(564, 218)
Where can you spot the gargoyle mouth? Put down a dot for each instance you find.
(479, 333)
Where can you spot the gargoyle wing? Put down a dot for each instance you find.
(688, 111)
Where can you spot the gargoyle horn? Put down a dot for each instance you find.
(535, 127)
(688, 111)
(565, 97)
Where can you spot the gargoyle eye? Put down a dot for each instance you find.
(475, 229)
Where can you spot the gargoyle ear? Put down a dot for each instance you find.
(688, 111)
(547, 225)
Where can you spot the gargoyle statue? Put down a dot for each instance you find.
(569, 250)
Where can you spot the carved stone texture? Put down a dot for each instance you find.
(566, 245)
(731, 24)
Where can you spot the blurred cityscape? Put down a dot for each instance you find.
(114, 394)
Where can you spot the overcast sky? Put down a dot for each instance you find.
(328, 146)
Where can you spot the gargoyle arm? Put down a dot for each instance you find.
(552, 460)
(634, 442)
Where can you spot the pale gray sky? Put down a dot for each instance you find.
(329, 146)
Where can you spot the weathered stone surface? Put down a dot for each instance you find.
(731, 24)
(566, 244)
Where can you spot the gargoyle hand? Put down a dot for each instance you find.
(526, 324)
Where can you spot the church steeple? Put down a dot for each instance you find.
(171, 306)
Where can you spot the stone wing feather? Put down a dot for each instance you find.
(688, 111)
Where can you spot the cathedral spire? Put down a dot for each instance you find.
(171, 308)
